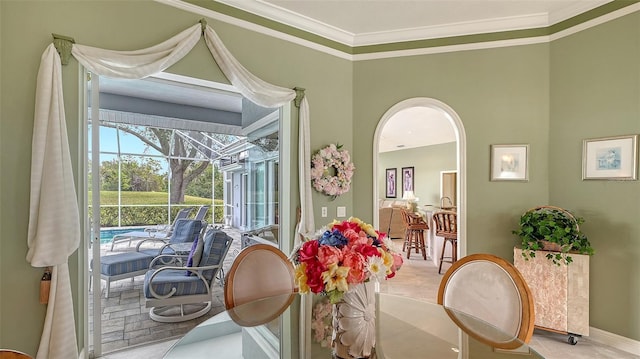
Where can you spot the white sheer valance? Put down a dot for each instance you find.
(54, 228)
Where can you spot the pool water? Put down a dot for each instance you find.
(106, 234)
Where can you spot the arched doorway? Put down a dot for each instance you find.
(449, 118)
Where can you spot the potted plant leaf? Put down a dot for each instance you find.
(552, 229)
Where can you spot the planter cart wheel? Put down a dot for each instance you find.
(573, 339)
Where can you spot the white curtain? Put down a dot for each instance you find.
(54, 228)
(54, 223)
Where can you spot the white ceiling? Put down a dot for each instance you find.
(415, 127)
(366, 22)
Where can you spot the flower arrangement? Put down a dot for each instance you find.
(331, 170)
(347, 253)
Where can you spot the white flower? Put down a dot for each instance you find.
(376, 267)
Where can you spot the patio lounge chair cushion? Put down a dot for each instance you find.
(185, 231)
(127, 262)
(168, 279)
(215, 246)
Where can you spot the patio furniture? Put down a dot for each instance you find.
(159, 232)
(134, 263)
(122, 266)
(179, 293)
(185, 231)
(202, 212)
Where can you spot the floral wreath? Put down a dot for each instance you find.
(327, 161)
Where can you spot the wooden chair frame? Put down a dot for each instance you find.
(229, 298)
(525, 330)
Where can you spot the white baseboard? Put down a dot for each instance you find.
(614, 340)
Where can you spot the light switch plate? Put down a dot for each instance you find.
(342, 212)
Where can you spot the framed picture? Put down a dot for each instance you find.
(407, 179)
(391, 183)
(509, 162)
(610, 158)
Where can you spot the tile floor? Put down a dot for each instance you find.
(417, 278)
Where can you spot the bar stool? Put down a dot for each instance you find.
(414, 234)
(446, 227)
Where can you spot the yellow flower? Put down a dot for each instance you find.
(301, 278)
(366, 227)
(335, 277)
(386, 257)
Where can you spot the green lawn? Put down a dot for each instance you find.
(148, 198)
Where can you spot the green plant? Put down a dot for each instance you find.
(556, 226)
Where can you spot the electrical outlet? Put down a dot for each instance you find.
(324, 212)
(342, 212)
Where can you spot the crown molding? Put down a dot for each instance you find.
(285, 16)
(183, 5)
(396, 49)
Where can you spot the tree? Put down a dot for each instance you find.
(188, 153)
(201, 186)
(136, 175)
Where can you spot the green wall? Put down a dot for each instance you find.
(427, 162)
(123, 26)
(501, 96)
(550, 96)
(595, 92)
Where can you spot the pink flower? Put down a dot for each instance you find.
(328, 255)
(357, 264)
(351, 235)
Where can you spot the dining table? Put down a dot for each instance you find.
(405, 328)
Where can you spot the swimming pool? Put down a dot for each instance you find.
(106, 234)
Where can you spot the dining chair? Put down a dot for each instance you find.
(489, 288)
(259, 271)
(414, 233)
(446, 226)
(13, 354)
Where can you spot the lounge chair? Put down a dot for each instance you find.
(179, 293)
(130, 264)
(184, 234)
(158, 232)
(202, 212)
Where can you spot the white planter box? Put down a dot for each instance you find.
(561, 293)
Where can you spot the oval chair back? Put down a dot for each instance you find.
(13, 354)
(492, 289)
(259, 271)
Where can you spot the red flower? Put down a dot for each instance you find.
(308, 251)
(345, 225)
(367, 250)
(314, 276)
